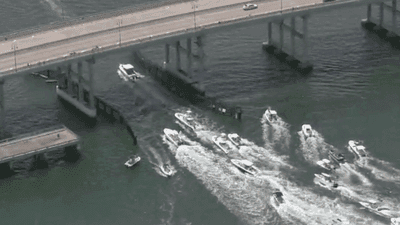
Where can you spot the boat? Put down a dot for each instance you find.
(395, 221)
(222, 142)
(357, 148)
(187, 120)
(51, 81)
(235, 139)
(132, 160)
(326, 164)
(166, 170)
(337, 157)
(377, 208)
(307, 131)
(126, 72)
(173, 136)
(245, 165)
(270, 115)
(326, 181)
(278, 197)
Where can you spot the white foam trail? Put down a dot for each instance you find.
(276, 133)
(387, 172)
(56, 7)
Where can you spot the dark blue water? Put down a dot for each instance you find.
(351, 94)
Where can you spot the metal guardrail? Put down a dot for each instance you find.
(45, 131)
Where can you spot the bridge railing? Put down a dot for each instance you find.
(30, 134)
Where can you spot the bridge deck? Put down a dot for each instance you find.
(24, 146)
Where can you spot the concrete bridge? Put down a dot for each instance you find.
(60, 46)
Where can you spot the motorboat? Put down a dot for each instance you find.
(357, 148)
(250, 6)
(395, 221)
(235, 139)
(270, 115)
(377, 208)
(132, 161)
(173, 136)
(187, 120)
(278, 196)
(245, 165)
(166, 170)
(222, 142)
(326, 164)
(326, 181)
(126, 72)
(307, 131)
(337, 157)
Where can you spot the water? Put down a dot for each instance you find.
(351, 94)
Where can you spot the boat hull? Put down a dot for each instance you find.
(218, 143)
(132, 164)
(180, 117)
(237, 164)
(233, 140)
(168, 133)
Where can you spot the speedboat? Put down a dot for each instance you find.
(326, 181)
(245, 165)
(326, 164)
(377, 208)
(132, 161)
(270, 115)
(235, 139)
(339, 157)
(357, 148)
(307, 131)
(173, 136)
(187, 120)
(126, 72)
(278, 197)
(395, 221)
(166, 170)
(222, 142)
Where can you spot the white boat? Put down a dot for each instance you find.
(337, 157)
(377, 208)
(395, 221)
(222, 142)
(326, 164)
(173, 136)
(245, 165)
(326, 181)
(235, 139)
(187, 120)
(307, 131)
(357, 148)
(126, 72)
(270, 115)
(166, 170)
(278, 197)
(132, 161)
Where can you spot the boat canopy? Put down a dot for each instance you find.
(326, 161)
(278, 194)
(326, 175)
(235, 135)
(127, 66)
(360, 147)
(272, 112)
(247, 163)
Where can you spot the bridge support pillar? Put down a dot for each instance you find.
(278, 51)
(178, 56)
(91, 94)
(2, 106)
(189, 56)
(369, 10)
(381, 14)
(69, 80)
(80, 83)
(166, 54)
(394, 16)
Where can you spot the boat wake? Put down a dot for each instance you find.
(313, 148)
(276, 134)
(381, 169)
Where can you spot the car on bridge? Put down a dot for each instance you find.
(250, 6)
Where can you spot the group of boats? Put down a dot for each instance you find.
(127, 73)
(134, 159)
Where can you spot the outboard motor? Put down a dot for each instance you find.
(335, 185)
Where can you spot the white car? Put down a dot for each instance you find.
(249, 6)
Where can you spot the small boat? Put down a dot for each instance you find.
(222, 142)
(326, 164)
(173, 136)
(326, 181)
(51, 81)
(307, 131)
(278, 196)
(245, 165)
(235, 139)
(270, 115)
(377, 208)
(132, 161)
(357, 148)
(339, 157)
(187, 120)
(166, 170)
(395, 221)
(126, 72)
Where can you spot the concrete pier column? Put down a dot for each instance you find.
(2, 106)
(80, 82)
(369, 10)
(394, 16)
(281, 35)
(178, 56)
(189, 56)
(381, 14)
(305, 37)
(69, 79)
(200, 51)
(166, 53)
(270, 32)
(292, 36)
(91, 85)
